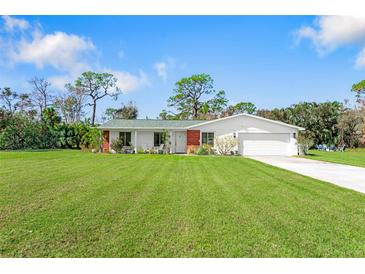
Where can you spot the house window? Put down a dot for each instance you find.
(126, 138)
(208, 138)
(157, 139)
(294, 135)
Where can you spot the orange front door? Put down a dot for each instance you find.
(105, 141)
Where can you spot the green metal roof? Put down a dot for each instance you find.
(149, 123)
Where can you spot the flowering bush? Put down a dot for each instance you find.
(225, 145)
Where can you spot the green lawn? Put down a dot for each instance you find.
(74, 204)
(353, 157)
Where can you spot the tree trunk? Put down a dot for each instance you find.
(78, 112)
(93, 114)
(77, 115)
(195, 111)
(45, 102)
(41, 109)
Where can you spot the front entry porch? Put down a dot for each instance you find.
(173, 141)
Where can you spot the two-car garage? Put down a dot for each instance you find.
(251, 144)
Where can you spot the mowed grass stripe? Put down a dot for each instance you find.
(87, 205)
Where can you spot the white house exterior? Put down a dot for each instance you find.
(255, 135)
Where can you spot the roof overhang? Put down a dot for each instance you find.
(204, 123)
(247, 115)
(142, 128)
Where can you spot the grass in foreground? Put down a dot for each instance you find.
(73, 204)
(353, 157)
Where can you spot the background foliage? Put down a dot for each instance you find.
(19, 131)
(42, 119)
(319, 119)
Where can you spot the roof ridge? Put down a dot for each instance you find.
(138, 119)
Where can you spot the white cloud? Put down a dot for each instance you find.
(330, 32)
(360, 60)
(164, 68)
(127, 81)
(69, 54)
(161, 69)
(59, 50)
(59, 82)
(64, 52)
(12, 23)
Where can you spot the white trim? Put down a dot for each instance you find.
(248, 115)
(135, 141)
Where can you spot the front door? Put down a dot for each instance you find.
(180, 142)
(105, 141)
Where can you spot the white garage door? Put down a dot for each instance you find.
(264, 143)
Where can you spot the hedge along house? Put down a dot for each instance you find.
(255, 135)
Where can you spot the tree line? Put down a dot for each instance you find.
(330, 123)
(42, 119)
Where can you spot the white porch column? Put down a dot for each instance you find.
(135, 141)
(172, 138)
(171, 144)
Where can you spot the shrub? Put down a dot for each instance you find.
(70, 135)
(202, 151)
(305, 142)
(92, 139)
(193, 149)
(117, 145)
(205, 150)
(225, 145)
(22, 132)
(66, 136)
(166, 138)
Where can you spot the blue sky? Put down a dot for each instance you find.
(272, 61)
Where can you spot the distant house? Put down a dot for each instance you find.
(255, 135)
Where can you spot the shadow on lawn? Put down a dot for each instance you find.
(311, 154)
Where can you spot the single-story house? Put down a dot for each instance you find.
(255, 135)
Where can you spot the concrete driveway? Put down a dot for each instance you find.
(338, 174)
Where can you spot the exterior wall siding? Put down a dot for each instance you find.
(145, 139)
